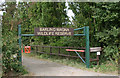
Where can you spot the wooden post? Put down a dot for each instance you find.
(50, 49)
(43, 49)
(97, 59)
(59, 51)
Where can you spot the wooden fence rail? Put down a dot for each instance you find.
(50, 51)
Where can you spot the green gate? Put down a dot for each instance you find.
(85, 33)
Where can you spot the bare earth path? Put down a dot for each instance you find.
(39, 67)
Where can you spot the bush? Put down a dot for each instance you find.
(10, 52)
(110, 43)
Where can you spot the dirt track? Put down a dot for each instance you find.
(39, 67)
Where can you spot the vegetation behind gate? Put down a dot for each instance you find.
(103, 20)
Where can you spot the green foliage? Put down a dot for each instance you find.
(103, 21)
(109, 39)
(10, 48)
(10, 52)
(42, 14)
(106, 68)
(44, 56)
(70, 41)
(0, 36)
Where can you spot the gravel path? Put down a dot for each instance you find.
(40, 67)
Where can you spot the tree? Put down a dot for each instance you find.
(102, 18)
(42, 14)
(10, 47)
